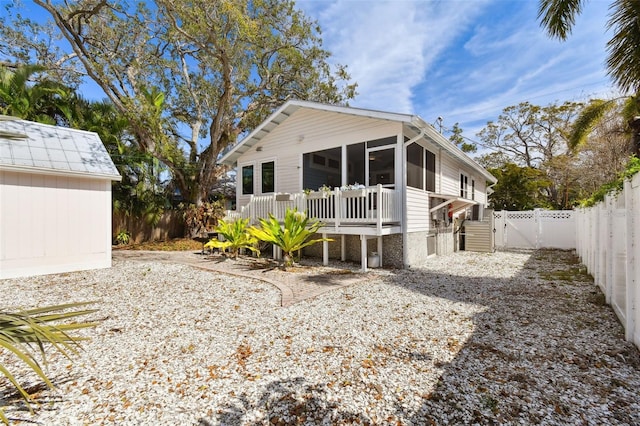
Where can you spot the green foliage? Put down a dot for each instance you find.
(460, 141)
(41, 328)
(43, 101)
(588, 118)
(236, 237)
(518, 188)
(614, 187)
(294, 235)
(623, 62)
(123, 237)
(188, 76)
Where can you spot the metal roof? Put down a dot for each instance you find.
(411, 121)
(41, 148)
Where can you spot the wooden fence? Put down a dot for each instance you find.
(608, 243)
(171, 225)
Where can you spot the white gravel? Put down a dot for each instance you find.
(502, 338)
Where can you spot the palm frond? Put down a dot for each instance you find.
(40, 327)
(559, 16)
(623, 61)
(586, 121)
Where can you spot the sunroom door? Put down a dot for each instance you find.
(381, 167)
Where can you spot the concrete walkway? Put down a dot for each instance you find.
(295, 284)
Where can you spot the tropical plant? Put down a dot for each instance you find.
(559, 16)
(42, 328)
(43, 101)
(123, 237)
(294, 235)
(236, 237)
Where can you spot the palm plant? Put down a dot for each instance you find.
(294, 235)
(44, 101)
(21, 331)
(559, 16)
(236, 237)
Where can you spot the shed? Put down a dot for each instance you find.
(55, 199)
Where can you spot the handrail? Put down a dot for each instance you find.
(372, 205)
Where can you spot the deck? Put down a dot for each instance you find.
(365, 211)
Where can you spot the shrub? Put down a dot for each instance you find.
(236, 237)
(292, 236)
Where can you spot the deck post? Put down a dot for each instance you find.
(380, 249)
(343, 248)
(363, 253)
(325, 250)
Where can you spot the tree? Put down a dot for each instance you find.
(558, 18)
(518, 188)
(44, 101)
(535, 137)
(460, 141)
(530, 134)
(191, 77)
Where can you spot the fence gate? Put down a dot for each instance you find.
(533, 229)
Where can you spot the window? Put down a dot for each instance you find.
(415, 165)
(268, 177)
(464, 185)
(247, 180)
(431, 171)
(473, 189)
(322, 168)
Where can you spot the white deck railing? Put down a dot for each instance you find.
(374, 205)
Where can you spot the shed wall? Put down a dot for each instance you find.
(52, 224)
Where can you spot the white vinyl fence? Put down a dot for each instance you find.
(608, 243)
(535, 229)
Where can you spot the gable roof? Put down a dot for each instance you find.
(412, 121)
(41, 148)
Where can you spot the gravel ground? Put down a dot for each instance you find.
(502, 338)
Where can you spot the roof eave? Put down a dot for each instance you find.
(57, 172)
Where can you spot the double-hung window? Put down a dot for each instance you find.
(268, 177)
(247, 180)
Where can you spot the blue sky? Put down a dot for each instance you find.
(463, 60)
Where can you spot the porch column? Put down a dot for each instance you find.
(343, 248)
(363, 253)
(325, 250)
(380, 249)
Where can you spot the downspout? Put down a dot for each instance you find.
(405, 253)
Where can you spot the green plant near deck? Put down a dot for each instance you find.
(236, 237)
(291, 236)
(123, 237)
(43, 328)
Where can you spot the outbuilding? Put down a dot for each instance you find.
(55, 199)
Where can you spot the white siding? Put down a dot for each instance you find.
(51, 224)
(449, 176)
(307, 131)
(417, 210)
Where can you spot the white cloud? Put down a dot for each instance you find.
(389, 46)
(463, 60)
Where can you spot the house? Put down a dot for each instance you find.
(392, 178)
(55, 199)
